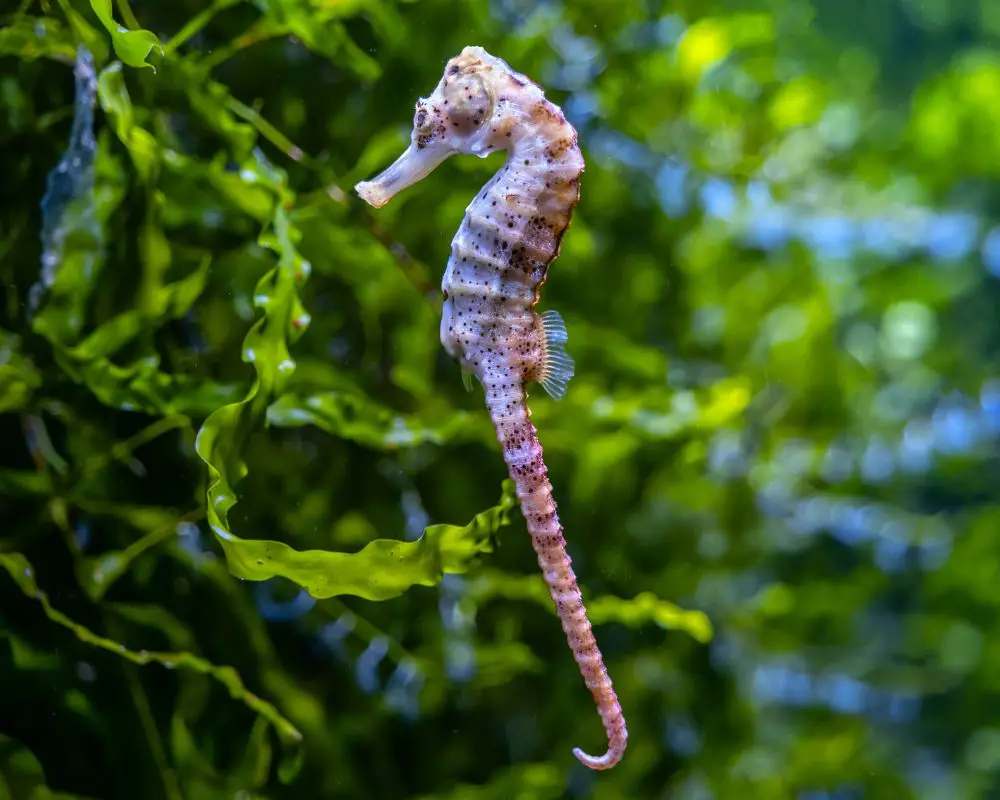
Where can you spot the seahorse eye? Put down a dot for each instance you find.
(420, 117)
(469, 103)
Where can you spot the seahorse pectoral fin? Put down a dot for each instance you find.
(467, 377)
(558, 367)
(415, 164)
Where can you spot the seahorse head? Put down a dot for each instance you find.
(459, 116)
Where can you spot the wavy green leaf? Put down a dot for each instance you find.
(132, 47)
(83, 191)
(30, 38)
(646, 607)
(84, 33)
(209, 100)
(18, 376)
(317, 25)
(642, 609)
(113, 95)
(351, 415)
(21, 774)
(537, 781)
(23, 574)
(98, 573)
(384, 568)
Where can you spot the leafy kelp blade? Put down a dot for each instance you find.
(384, 568)
(132, 47)
(640, 610)
(82, 192)
(21, 571)
(356, 417)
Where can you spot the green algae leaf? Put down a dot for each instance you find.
(384, 568)
(642, 609)
(132, 47)
(142, 386)
(537, 781)
(647, 607)
(351, 415)
(23, 574)
(316, 25)
(24, 483)
(82, 192)
(18, 376)
(22, 775)
(210, 101)
(30, 38)
(84, 33)
(113, 95)
(98, 574)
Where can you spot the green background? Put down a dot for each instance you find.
(255, 536)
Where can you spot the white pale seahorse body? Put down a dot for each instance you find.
(500, 257)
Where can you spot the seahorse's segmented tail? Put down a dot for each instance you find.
(523, 453)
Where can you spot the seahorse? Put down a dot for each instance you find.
(511, 233)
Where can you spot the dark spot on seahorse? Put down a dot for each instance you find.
(454, 69)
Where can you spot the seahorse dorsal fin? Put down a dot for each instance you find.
(558, 367)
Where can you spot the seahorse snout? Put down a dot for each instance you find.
(412, 166)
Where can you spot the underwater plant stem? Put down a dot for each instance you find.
(127, 16)
(171, 787)
(195, 25)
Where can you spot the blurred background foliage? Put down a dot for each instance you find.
(773, 464)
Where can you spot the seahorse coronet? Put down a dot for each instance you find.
(511, 233)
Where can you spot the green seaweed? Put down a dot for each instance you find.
(132, 47)
(22, 775)
(18, 376)
(29, 38)
(351, 415)
(23, 574)
(383, 569)
(780, 287)
(642, 609)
